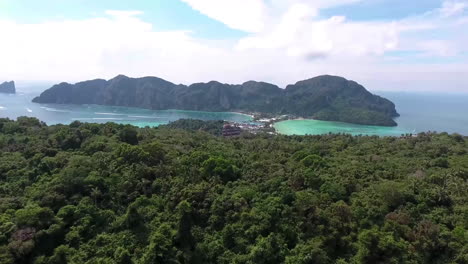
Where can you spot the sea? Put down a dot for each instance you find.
(15, 105)
(420, 112)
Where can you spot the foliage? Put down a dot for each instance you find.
(212, 127)
(90, 193)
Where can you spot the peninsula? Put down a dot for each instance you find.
(329, 98)
(8, 87)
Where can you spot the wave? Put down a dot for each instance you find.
(29, 110)
(95, 118)
(107, 118)
(2, 108)
(115, 114)
(81, 118)
(136, 116)
(238, 113)
(54, 109)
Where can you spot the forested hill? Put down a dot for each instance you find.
(108, 193)
(324, 97)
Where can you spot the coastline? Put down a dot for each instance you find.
(319, 127)
(269, 119)
(266, 121)
(251, 115)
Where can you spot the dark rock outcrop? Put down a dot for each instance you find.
(325, 97)
(8, 87)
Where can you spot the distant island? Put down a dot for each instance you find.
(8, 87)
(328, 98)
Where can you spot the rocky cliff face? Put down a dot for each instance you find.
(8, 87)
(325, 97)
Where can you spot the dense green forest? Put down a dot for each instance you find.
(109, 193)
(214, 127)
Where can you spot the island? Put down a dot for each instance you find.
(8, 87)
(328, 98)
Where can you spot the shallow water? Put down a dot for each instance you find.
(13, 106)
(420, 112)
(316, 127)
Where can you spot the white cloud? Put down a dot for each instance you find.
(123, 14)
(255, 15)
(284, 33)
(100, 47)
(442, 48)
(300, 34)
(295, 45)
(451, 8)
(318, 4)
(437, 33)
(246, 15)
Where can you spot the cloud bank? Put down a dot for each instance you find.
(285, 41)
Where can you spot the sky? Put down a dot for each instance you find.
(386, 45)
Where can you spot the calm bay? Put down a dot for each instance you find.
(419, 113)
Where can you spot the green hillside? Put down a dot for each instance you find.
(91, 193)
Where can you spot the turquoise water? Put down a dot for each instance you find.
(419, 113)
(13, 106)
(316, 127)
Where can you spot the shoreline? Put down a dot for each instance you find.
(321, 127)
(251, 115)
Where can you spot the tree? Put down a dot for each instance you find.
(224, 169)
(129, 135)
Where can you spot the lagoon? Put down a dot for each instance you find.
(316, 127)
(420, 112)
(13, 106)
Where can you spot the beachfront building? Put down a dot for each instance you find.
(231, 130)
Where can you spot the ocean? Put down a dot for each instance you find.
(420, 112)
(13, 106)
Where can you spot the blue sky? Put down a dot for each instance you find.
(279, 41)
(384, 9)
(162, 14)
(177, 15)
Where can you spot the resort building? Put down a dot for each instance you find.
(231, 130)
